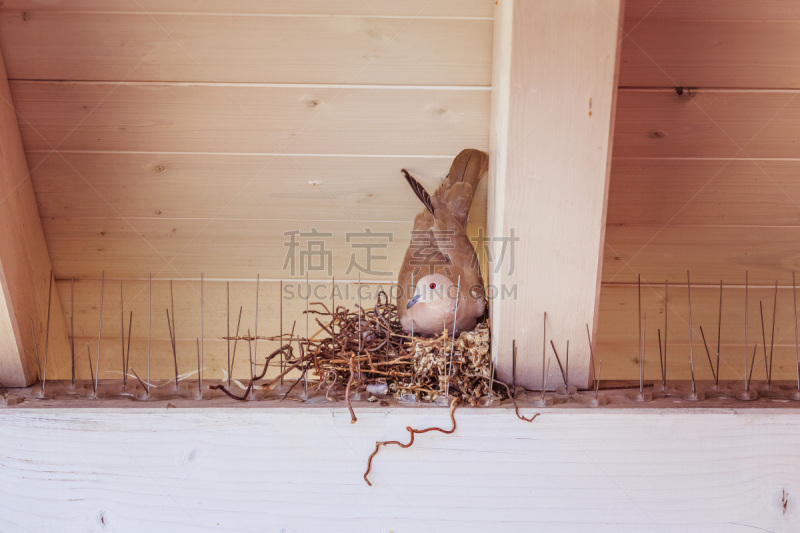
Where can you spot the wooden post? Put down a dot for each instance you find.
(554, 86)
(24, 264)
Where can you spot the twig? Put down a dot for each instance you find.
(412, 432)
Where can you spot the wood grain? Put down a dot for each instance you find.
(220, 248)
(711, 253)
(384, 8)
(183, 470)
(755, 53)
(153, 185)
(24, 262)
(730, 10)
(660, 123)
(703, 192)
(229, 48)
(197, 118)
(552, 144)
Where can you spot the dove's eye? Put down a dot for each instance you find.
(432, 286)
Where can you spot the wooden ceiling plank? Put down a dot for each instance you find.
(383, 8)
(144, 47)
(724, 124)
(163, 117)
(255, 187)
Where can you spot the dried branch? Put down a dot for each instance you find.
(412, 432)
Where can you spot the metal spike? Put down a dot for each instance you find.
(772, 335)
(597, 381)
(174, 333)
(149, 324)
(514, 366)
(544, 350)
(47, 333)
(99, 333)
(122, 331)
(280, 304)
(641, 361)
(228, 330)
(719, 333)
(308, 341)
(202, 315)
(746, 290)
(666, 312)
(708, 354)
(691, 344)
(91, 371)
(72, 328)
(128, 351)
(453, 342)
(36, 351)
(255, 342)
(796, 345)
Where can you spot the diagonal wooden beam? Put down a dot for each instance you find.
(24, 264)
(554, 86)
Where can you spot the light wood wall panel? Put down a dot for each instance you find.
(617, 341)
(187, 311)
(190, 47)
(660, 123)
(690, 10)
(220, 248)
(710, 253)
(154, 185)
(199, 118)
(383, 8)
(711, 53)
(704, 192)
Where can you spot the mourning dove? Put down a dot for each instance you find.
(440, 267)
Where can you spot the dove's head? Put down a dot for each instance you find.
(434, 298)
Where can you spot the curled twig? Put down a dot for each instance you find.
(353, 418)
(232, 395)
(510, 396)
(412, 432)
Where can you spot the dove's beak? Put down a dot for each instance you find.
(413, 300)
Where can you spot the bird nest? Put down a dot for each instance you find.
(367, 350)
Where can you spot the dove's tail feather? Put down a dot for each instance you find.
(419, 190)
(468, 167)
(458, 188)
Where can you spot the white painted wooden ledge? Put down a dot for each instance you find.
(300, 470)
